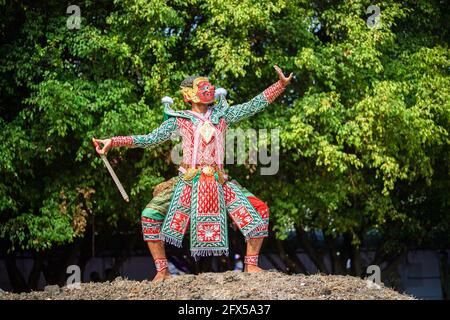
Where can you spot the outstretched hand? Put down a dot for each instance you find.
(283, 79)
(106, 145)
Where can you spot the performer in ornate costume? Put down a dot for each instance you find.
(201, 196)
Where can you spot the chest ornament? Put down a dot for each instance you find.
(207, 131)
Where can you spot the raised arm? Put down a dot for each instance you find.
(160, 134)
(238, 112)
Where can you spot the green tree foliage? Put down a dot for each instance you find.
(364, 125)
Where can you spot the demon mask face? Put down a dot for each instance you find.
(198, 90)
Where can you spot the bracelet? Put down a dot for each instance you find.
(122, 141)
(272, 92)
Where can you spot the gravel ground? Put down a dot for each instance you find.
(229, 285)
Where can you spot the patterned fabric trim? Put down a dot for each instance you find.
(240, 209)
(251, 260)
(169, 112)
(209, 232)
(161, 264)
(262, 208)
(121, 141)
(177, 217)
(151, 229)
(259, 232)
(272, 92)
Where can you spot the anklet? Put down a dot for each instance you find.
(161, 264)
(251, 260)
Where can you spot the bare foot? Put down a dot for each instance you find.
(252, 268)
(162, 275)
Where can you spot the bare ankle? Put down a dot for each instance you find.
(161, 275)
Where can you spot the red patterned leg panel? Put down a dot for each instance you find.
(208, 197)
(151, 229)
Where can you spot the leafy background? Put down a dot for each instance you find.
(364, 126)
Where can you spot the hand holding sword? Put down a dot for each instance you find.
(102, 152)
(106, 145)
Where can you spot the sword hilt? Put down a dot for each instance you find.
(96, 144)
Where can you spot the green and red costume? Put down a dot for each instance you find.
(202, 196)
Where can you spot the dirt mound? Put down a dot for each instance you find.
(228, 285)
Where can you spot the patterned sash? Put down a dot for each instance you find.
(204, 203)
